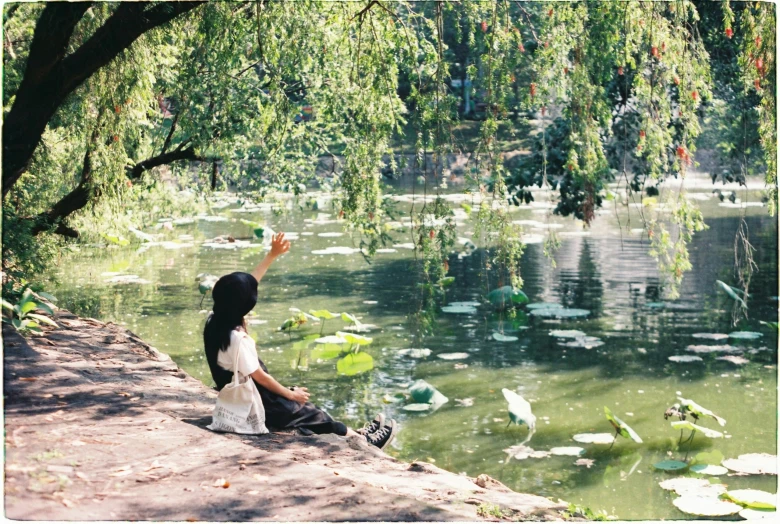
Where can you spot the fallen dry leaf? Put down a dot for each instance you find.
(156, 464)
(123, 394)
(584, 462)
(121, 472)
(27, 379)
(78, 443)
(253, 492)
(82, 476)
(221, 483)
(67, 503)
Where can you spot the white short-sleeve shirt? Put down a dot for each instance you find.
(247, 359)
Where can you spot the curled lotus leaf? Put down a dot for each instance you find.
(353, 338)
(700, 411)
(323, 314)
(753, 498)
(621, 427)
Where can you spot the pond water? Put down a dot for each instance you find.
(605, 270)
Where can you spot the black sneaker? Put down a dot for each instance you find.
(373, 427)
(384, 436)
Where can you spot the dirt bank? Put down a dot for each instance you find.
(101, 426)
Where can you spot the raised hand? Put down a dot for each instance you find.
(279, 246)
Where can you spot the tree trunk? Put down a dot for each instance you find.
(51, 76)
(162, 159)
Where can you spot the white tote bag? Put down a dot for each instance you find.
(239, 407)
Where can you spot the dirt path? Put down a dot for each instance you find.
(101, 426)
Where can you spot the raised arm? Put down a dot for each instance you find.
(279, 246)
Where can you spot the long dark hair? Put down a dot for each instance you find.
(234, 296)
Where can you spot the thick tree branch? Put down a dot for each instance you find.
(73, 201)
(50, 76)
(165, 158)
(167, 142)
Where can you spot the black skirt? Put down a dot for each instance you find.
(282, 413)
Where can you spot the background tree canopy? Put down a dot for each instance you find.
(99, 96)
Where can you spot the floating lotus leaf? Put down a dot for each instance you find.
(585, 342)
(567, 451)
(567, 333)
(415, 352)
(594, 438)
(745, 335)
(354, 364)
(352, 338)
(656, 305)
(705, 506)
(559, 313)
(504, 338)
(670, 465)
(758, 514)
(331, 339)
(506, 296)
(467, 310)
(709, 469)
(465, 304)
(621, 427)
(417, 407)
(711, 336)
(127, 279)
(323, 314)
(453, 356)
(693, 486)
(753, 463)
(544, 305)
(685, 358)
(734, 359)
(753, 498)
(522, 452)
(335, 250)
(725, 348)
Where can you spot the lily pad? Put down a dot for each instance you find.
(127, 279)
(685, 358)
(757, 514)
(753, 498)
(559, 313)
(567, 333)
(465, 304)
(724, 348)
(453, 356)
(336, 250)
(709, 469)
(670, 465)
(504, 338)
(705, 506)
(711, 336)
(354, 364)
(544, 305)
(415, 352)
(693, 486)
(656, 305)
(585, 342)
(734, 359)
(567, 451)
(466, 310)
(753, 464)
(594, 438)
(745, 335)
(417, 407)
(522, 452)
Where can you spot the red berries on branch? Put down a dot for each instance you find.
(759, 64)
(520, 47)
(641, 133)
(550, 12)
(758, 41)
(533, 89)
(620, 70)
(676, 80)
(757, 83)
(654, 51)
(695, 95)
(432, 234)
(484, 27)
(729, 32)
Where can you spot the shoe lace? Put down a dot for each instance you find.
(382, 433)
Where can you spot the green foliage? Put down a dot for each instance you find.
(21, 316)
(486, 510)
(584, 512)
